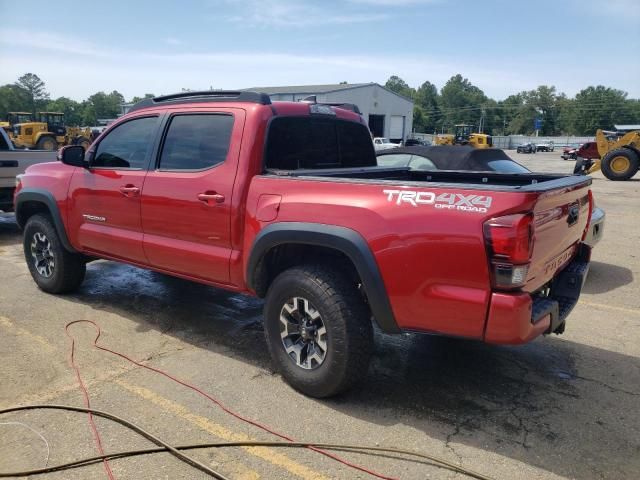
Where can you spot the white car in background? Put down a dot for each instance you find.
(383, 143)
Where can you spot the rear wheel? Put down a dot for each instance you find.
(620, 164)
(47, 143)
(53, 268)
(318, 330)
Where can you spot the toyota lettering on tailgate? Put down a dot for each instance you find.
(444, 201)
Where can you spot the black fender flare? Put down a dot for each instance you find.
(45, 197)
(342, 239)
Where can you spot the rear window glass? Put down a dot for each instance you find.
(315, 143)
(196, 142)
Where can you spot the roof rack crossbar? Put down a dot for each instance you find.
(204, 96)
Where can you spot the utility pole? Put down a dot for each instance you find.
(481, 127)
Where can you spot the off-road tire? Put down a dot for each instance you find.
(83, 142)
(45, 143)
(634, 164)
(69, 268)
(347, 321)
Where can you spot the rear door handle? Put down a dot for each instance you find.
(211, 197)
(129, 190)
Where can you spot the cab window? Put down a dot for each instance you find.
(127, 146)
(196, 142)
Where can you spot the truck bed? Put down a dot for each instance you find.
(521, 182)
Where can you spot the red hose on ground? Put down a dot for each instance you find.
(198, 391)
(85, 393)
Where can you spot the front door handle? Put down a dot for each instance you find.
(129, 190)
(211, 197)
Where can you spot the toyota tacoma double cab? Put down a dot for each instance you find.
(285, 201)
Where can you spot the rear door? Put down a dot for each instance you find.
(186, 200)
(105, 208)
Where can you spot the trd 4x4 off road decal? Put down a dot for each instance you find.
(444, 201)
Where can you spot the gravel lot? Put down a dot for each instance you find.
(562, 407)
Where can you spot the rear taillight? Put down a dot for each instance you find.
(509, 241)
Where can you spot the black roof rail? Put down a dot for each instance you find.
(204, 96)
(313, 99)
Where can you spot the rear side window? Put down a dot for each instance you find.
(127, 145)
(196, 142)
(315, 143)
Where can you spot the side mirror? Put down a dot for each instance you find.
(73, 155)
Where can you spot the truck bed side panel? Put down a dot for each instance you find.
(432, 260)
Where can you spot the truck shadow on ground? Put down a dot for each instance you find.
(561, 406)
(604, 277)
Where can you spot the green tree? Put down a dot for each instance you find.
(461, 102)
(427, 99)
(600, 107)
(72, 110)
(37, 94)
(105, 105)
(396, 84)
(13, 99)
(137, 99)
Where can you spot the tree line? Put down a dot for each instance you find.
(459, 101)
(29, 94)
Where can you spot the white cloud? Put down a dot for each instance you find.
(286, 13)
(173, 41)
(394, 3)
(97, 67)
(622, 10)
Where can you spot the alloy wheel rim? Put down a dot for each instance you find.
(42, 255)
(303, 333)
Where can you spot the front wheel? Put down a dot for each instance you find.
(620, 164)
(53, 268)
(318, 330)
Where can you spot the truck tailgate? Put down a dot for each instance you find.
(560, 218)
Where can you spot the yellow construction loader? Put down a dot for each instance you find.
(49, 132)
(464, 135)
(14, 118)
(619, 155)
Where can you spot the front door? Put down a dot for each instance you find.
(105, 198)
(186, 199)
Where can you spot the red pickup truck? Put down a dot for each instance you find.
(285, 201)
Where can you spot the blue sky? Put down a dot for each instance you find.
(503, 47)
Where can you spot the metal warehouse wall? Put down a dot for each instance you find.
(371, 99)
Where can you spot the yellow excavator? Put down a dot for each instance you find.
(49, 132)
(464, 135)
(619, 155)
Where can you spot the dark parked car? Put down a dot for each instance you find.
(526, 148)
(413, 142)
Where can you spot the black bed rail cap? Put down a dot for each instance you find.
(313, 100)
(203, 96)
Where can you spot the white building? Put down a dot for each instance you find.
(388, 114)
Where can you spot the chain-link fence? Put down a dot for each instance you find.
(510, 142)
